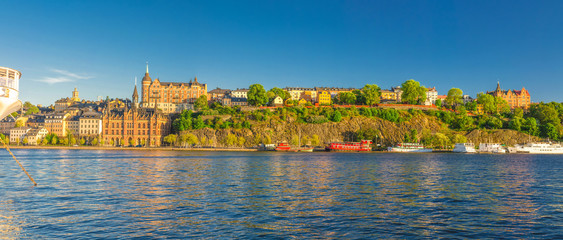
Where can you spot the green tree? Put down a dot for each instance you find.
(371, 94)
(518, 112)
(315, 140)
(198, 123)
(230, 140)
(30, 108)
(413, 92)
(454, 97)
(337, 116)
(494, 123)
(294, 140)
(82, 141)
(54, 140)
(201, 103)
(171, 139)
(346, 98)
(530, 126)
(501, 105)
(241, 141)
(25, 141)
(438, 103)
(256, 95)
(272, 93)
(457, 138)
(515, 123)
(550, 131)
(488, 102)
(94, 142)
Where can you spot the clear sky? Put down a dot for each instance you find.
(101, 46)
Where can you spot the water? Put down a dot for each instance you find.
(180, 195)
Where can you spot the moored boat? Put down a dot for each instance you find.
(464, 148)
(409, 147)
(285, 147)
(491, 148)
(362, 146)
(539, 148)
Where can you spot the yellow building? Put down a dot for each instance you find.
(324, 98)
(388, 96)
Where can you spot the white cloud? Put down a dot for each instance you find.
(53, 80)
(69, 74)
(63, 76)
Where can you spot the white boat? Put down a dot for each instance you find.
(491, 148)
(9, 85)
(409, 147)
(464, 148)
(539, 148)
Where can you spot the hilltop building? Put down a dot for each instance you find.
(520, 99)
(170, 96)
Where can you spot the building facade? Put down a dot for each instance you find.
(17, 134)
(515, 99)
(56, 123)
(133, 126)
(157, 93)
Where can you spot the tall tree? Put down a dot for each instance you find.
(454, 97)
(371, 93)
(272, 93)
(346, 98)
(487, 101)
(413, 92)
(257, 95)
(201, 103)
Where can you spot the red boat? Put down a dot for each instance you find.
(364, 145)
(284, 147)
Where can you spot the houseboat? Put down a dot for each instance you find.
(539, 148)
(285, 147)
(409, 147)
(491, 148)
(464, 148)
(362, 146)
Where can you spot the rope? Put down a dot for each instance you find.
(7, 148)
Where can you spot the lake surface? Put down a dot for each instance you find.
(252, 195)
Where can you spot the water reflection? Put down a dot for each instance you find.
(273, 195)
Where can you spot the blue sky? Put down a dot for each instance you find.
(101, 46)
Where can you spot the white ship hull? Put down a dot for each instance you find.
(418, 150)
(464, 148)
(540, 148)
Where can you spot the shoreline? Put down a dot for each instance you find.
(138, 148)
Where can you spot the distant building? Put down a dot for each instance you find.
(239, 93)
(6, 125)
(514, 98)
(35, 135)
(239, 102)
(467, 99)
(388, 96)
(155, 92)
(431, 96)
(17, 134)
(56, 123)
(277, 101)
(324, 98)
(217, 94)
(90, 124)
(134, 126)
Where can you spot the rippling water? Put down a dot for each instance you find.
(165, 194)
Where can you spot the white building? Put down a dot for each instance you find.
(90, 123)
(17, 134)
(239, 93)
(431, 96)
(35, 135)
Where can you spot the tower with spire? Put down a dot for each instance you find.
(135, 97)
(75, 97)
(146, 82)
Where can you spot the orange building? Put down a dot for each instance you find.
(169, 92)
(132, 126)
(514, 98)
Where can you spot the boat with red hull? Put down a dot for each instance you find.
(362, 146)
(285, 147)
